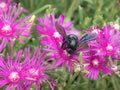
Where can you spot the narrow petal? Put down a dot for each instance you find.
(3, 44)
(52, 17)
(61, 19)
(3, 82)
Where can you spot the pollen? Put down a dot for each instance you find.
(6, 30)
(14, 76)
(109, 47)
(95, 62)
(56, 35)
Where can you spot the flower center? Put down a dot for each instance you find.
(6, 30)
(33, 74)
(14, 76)
(56, 35)
(114, 68)
(2, 5)
(109, 49)
(95, 62)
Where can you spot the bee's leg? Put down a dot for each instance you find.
(64, 43)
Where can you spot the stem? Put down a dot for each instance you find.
(73, 78)
(110, 61)
(31, 4)
(114, 83)
(74, 5)
(40, 10)
(70, 81)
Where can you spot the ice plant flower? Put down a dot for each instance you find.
(11, 73)
(94, 64)
(51, 38)
(4, 4)
(107, 43)
(11, 28)
(36, 69)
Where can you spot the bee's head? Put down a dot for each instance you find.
(72, 36)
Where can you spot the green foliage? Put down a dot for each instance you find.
(85, 14)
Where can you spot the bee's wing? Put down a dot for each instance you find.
(61, 30)
(87, 37)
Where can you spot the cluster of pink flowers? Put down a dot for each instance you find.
(103, 52)
(99, 55)
(21, 73)
(24, 69)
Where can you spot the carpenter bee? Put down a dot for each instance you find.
(71, 42)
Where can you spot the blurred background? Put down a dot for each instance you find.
(85, 13)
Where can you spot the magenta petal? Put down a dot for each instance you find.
(46, 18)
(52, 17)
(18, 56)
(3, 82)
(40, 29)
(93, 74)
(107, 32)
(8, 87)
(52, 88)
(2, 63)
(107, 70)
(38, 87)
(61, 19)
(3, 44)
(59, 63)
(41, 20)
(68, 25)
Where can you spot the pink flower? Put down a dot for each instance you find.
(107, 43)
(36, 69)
(94, 64)
(11, 73)
(12, 28)
(53, 40)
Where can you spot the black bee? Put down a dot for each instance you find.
(71, 41)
